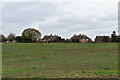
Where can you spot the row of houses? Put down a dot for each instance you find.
(74, 39)
(78, 39)
(57, 39)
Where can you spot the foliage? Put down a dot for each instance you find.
(11, 37)
(18, 39)
(31, 35)
(114, 37)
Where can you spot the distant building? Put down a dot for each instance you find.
(80, 39)
(41, 41)
(3, 38)
(100, 39)
(52, 38)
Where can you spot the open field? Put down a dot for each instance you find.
(35, 60)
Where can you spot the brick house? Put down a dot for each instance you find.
(52, 38)
(80, 39)
(100, 39)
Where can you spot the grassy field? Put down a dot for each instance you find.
(59, 60)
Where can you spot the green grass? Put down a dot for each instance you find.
(61, 60)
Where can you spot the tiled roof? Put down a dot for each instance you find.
(51, 37)
(80, 37)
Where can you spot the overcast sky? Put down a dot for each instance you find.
(98, 17)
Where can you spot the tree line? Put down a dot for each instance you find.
(28, 35)
(32, 35)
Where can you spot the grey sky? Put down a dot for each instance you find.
(61, 18)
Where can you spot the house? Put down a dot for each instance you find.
(80, 39)
(100, 39)
(3, 38)
(53, 38)
(41, 41)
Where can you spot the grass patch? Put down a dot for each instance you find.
(61, 60)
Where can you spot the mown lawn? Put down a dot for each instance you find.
(61, 60)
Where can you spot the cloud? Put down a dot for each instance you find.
(62, 18)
